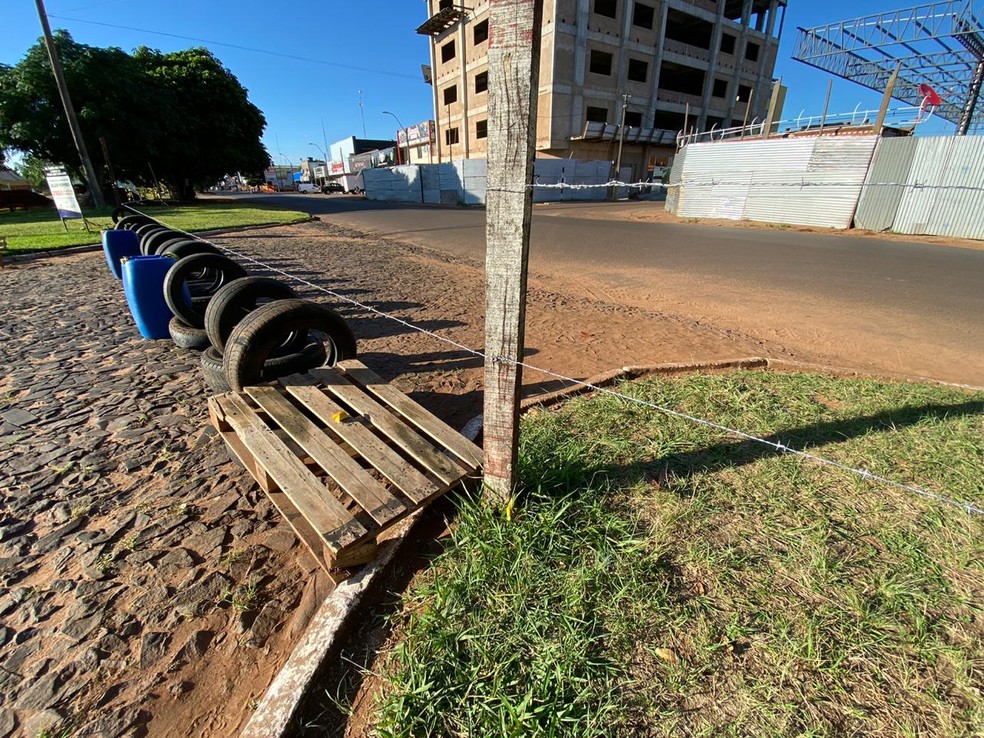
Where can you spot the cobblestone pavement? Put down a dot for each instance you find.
(146, 585)
(138, 568)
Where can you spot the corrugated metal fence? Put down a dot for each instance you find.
(464, 182)
(943, 193)
(774, 181)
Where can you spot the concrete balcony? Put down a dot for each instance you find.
(678, 98)
(709, 5)
(691, 52)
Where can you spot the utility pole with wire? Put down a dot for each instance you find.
(621, 134)
(95, 191)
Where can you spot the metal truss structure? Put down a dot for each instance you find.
(940, 44)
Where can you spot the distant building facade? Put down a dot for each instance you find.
(682, 63)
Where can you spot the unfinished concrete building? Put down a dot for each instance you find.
(668, 63)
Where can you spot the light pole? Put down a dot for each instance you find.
(290, 166)
(399, 153)
(324, 178)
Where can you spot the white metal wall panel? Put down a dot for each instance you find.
(879, 202)
(676, 173)
(960, 212)
(917, 205)
(824, 195)
(776, 181)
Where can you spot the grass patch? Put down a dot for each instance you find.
(42, 230)
(659, 578)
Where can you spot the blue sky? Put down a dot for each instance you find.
(341, 48)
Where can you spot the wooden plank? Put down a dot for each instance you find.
(246, 459)
(421, 418)
(373, 497)
(389, 463)
(514, 64)
(325, 514)
(443, 467)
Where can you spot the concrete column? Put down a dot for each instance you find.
(709, 79)
(465, 119)
(580, 62)
(742, 45)
(657, 64)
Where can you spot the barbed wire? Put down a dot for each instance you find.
(802, 184)
(967, 507)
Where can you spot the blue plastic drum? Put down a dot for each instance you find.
(118, 245)
(143, 285)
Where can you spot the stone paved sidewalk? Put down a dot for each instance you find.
(135, 573)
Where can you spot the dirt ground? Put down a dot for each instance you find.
(146, 585)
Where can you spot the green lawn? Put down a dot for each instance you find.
(659, 578)
(41, 230)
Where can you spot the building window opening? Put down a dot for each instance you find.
(445, 4)
(678, 78)
(607, 8)
(596, 115)
(688, 29)
(720, 88)
(481, 82)
(752, 52)
(447, 52)
(481, 32)
(727, 44)
(601, 62)
(482, 129)
(643, 15)
(633, 119)
(669, 121)
(638, 70)
(450, 94)
(744, 93)
(451, 136)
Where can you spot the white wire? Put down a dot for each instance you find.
(736, 183)
(968, 507)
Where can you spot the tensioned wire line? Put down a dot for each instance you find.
(968, 507)
(764, 184)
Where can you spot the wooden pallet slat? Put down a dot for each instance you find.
(389, 463)
(375, 499)
(426, 421)
(444, 467)
(306, 433)
(325, 514)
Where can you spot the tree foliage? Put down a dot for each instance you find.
(181, 113)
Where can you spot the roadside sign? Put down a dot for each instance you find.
(62, 192)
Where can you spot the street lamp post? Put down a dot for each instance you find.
(399, 152)
(324, 177)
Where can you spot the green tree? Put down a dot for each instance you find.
(31, 168)
(182, 113)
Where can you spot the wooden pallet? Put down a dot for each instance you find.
(342, 455)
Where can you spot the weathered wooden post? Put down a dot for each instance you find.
(514, 71)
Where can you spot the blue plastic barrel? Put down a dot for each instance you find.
(118, 245)
(143, 285)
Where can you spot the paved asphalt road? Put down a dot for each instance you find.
(787, 285)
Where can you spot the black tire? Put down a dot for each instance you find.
(311, 356)
(146, 230)
(219, 270)
(174, 240)
(187, 337)
(189, 246)
(238, 299)
(151, 242)
(258, 335)
(128, 222)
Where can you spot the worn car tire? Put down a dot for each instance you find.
(128, 222)
(257, 336)
(152, 241)
(217, 270)
(187, 337)
(189, 246)
(238, 299)
(173, 241)
(312, 355)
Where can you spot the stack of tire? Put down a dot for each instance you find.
(250, 329)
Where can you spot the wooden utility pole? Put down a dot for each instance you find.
(514, 72)
(73, 123)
